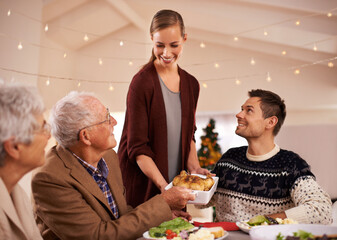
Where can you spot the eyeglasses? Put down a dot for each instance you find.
(45, 129)
(107, 119)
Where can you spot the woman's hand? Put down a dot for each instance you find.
(202, 171)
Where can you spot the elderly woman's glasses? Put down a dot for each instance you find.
(107, 119)
(45, 129)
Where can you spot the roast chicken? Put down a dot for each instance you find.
(193, 182)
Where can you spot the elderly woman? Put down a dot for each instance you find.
(23, 136)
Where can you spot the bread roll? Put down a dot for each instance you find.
(217, 231)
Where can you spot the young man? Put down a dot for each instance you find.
(261, 178)
(79, 193)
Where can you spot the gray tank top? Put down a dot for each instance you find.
(173, 118)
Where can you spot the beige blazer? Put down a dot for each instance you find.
(16, 215)
(70, 205)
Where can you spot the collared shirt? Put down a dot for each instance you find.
(100, 174)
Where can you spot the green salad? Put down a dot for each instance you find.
(176, 225)
(300, 234)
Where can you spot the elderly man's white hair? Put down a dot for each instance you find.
(69, 115)
(19, 106)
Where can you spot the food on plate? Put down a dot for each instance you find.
(201, 234)
(303, 235)
(175, 226)
(265, 220)
(193, 182)
(217, 231)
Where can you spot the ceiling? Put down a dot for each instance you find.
(264, 29)
(219, 20)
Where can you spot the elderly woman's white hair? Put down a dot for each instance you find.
(19, 106)
(69, 115)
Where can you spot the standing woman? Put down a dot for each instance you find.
(158, 135)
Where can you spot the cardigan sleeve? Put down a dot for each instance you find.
(138, 107)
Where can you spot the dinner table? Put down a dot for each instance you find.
(232, 235)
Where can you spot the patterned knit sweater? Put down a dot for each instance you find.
(281, 182)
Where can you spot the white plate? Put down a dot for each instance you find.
(270, 232)
(244, 226)
(201, 197)
(147, 236)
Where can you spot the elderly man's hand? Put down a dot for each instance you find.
(182, 214)
(177, 197)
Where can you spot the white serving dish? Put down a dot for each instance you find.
(271, 231)
(201, 197)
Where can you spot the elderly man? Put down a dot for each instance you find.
(263, 179)
(23, 136)
(79, 193)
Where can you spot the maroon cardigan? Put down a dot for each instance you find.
(145, 130)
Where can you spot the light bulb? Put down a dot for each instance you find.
(236, 39)
(284, 52)
(297, 71)
(111, 88)
(130, 63)
(64, 55)
(202, 45)
(204, 85)
(121, 43)
(315, 47)
(86, 38)
(100, 61)
(330, 64)
(48, 82)
(216, 65)
(329, 14)
(265, 33)
(252, 62)
(268, 77)
(20, 46)
(297, 22)
(9, 13)
(79, 84)
(237, 82)
(46, 28)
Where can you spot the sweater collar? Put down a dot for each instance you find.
(260, 158)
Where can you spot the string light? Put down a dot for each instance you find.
(268, 77)
(121, 43)
(111, 88)
(297, 22)
(64, 55)
(330, 64)
(46, 28)
(265, 33)
(216, 65)
(48, 82)
(20, 46)
(237, 82)
(252, 62)
(329, 14)
(297, 72)
(236, 39)
(202, 45)
(86, 38)
(9, 13)
(315, 47)
(204, 85)
(100, 61)
(130, 63)
(284, 52)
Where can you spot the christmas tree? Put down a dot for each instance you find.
(210, 151)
